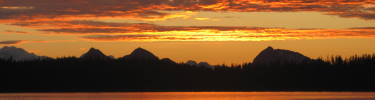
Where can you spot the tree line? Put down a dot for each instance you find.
(71, 74)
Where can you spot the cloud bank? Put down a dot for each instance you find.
(77, 17)
(36, 10)
(103, 31)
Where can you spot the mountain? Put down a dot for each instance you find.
(200, 64)
(191, 63)
(94, 54)
(17, 54)
(141, 54)
(279, 56)
(167, 61)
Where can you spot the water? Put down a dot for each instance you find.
(193, 96)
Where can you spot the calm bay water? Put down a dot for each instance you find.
(193, 96)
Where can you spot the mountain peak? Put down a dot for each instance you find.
(141, 54)
(12, 48)
(17, 54)
(9, 47)
(269, 48)
(140, 50)
(279, 56)
(94, 54)
(93, 49)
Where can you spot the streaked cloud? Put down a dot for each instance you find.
(238, 35)
(105, 31)
(139, 38)
(17, 42)
(46, 10)
(15, 31)
(37, 10)
(16, 8)
(363, 28)
(80, 17)
(94, 27)
(207, 19)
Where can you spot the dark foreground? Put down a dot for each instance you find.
(77, 75)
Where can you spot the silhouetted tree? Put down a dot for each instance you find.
(74, 74)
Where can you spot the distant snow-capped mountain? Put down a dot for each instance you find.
(17, 54)
(279, 56)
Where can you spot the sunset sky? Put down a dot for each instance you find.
(216, 31)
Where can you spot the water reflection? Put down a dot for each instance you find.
(193, 96)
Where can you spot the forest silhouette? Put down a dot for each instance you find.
(73, 74)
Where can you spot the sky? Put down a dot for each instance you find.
(215, 31)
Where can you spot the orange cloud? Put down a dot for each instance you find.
(17, 42)
(201, 18)
(238, 35)
(15, 31)
(137, 38)
(94, 27)
(152, 10)
(104, 31)
(65, 17)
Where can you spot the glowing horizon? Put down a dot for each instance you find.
(220, 26)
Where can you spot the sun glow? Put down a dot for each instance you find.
(198, 35)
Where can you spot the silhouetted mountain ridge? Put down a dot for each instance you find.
(168, 61)
(265, 57)
(200, 64)
(72, 74)
(94, 54)
(17, 54)
(141, 54)
(279, 56)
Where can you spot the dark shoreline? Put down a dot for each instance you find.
(117, 75)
